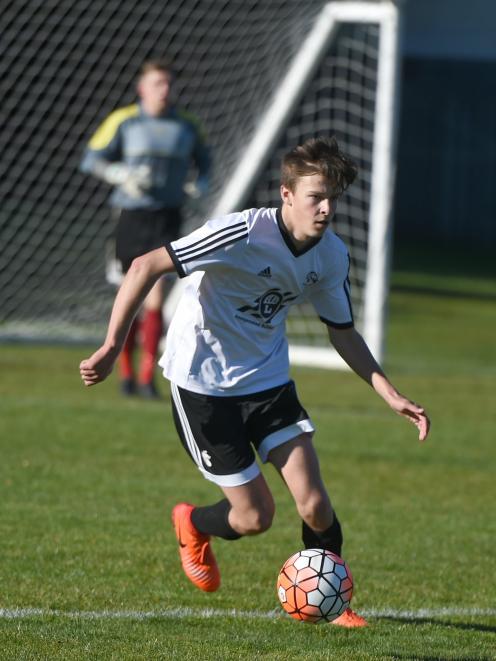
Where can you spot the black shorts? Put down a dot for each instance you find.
(221, 433)
(141, 230)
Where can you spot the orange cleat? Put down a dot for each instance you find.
(197, 559)
(350, 619)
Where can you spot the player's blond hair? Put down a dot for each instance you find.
(318, 156)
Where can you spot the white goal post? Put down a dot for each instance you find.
(285, 98)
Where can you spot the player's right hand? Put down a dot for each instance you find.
(133, 180)
(197, 189)
(97, 367)
(138, 180)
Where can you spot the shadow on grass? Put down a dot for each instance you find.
(484, 628)
(481, 628)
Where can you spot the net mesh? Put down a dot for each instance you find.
(65, 65)
(340, 99)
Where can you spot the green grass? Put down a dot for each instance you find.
(87, 480)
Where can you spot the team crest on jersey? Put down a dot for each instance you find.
(268, 305)
(311, 278)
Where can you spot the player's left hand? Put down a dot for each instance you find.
(412, 412)
(197, 189)
(97, 367)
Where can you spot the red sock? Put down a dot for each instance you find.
(126, 369)
(151, 332)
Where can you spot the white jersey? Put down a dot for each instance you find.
(227, 336)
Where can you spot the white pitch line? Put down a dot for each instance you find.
(206, 613)
(169, 613)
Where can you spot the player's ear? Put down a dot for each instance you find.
(140, 84)
(285, 194)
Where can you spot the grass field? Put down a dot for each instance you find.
(89, 567)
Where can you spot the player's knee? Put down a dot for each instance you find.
(316, 510)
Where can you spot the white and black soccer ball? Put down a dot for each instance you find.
(315, 586)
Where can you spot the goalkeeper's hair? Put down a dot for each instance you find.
(157, 64)
(318, 156)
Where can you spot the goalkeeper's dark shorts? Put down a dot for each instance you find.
(221, 434)
(141, 230)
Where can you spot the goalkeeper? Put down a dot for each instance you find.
(227, 356)
(145, 152)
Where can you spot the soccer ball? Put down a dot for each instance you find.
(315, 586)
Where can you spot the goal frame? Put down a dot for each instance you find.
(286, 96)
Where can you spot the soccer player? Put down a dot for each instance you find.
(227, 356)
(145, 151)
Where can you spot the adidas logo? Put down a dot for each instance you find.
(265, 273)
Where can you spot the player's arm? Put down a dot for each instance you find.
(140, 278)
(202, 159)
(354, 351)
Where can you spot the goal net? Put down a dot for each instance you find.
(261, 75)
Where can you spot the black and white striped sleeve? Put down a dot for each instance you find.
(332, 300)
(208, 244)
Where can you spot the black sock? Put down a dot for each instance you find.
(330, 539)
(214, 520)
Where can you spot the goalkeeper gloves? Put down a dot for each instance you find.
(197, 189)
(133, 180)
